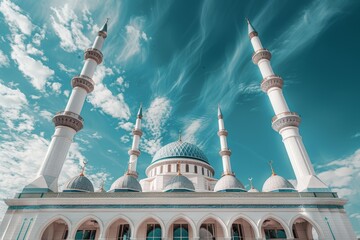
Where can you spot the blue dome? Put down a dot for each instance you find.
(180, 149)
(179, 183)
(79, 184)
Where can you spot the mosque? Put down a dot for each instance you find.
(180, 198)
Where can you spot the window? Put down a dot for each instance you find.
(195, 169)
(85, 234)
(207, 231)
(202, 171)
(275, 233)
(153, 232)
(237, 232)
(65, 234)
(124, 232)
(187, 168)
(161, 169)
(177, 167)
(181, 232)
(169, 168)
(208, 172)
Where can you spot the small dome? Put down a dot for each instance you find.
(179, 183)
(276, 183)
(79, 184)
(253, 190)
(126, 183)
(180, 149)
(229, 183)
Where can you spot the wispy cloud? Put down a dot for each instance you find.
(66, 69)
(192, 130)
(4, 60)
(15, 17)
(155, 118)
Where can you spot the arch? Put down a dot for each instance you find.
(283, 224)
(83, 221)
(246, 219)
(146, 219)
(188, 220)
(310, 221)
(121, 219)
(218, 220)
(53, 220)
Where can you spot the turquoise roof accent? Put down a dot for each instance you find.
(79, 184)
(180, 149)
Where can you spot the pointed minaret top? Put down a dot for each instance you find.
(83, 168)
(250, 27)
(272, 168)
(220, 115)
(104, 27)
(139, 114)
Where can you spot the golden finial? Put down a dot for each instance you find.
(251, 184)
(272, 168)
(83, 168)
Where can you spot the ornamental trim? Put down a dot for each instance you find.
(68, 119)
(270, 82)
(261, 54)
(287, 119)
(84, 82)
(94, 54)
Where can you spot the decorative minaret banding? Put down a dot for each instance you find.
(225, 152)
(68, 122)
(134, 152)
(285, 122)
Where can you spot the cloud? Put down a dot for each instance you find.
(46, 114)
(4, 60)
(125, 139)
(127, 126)
(356, 135)
(102, 97)
(66, 69)
(69, 29)
(155, 118)
(15, 18)
(192, 130)
(134, 38)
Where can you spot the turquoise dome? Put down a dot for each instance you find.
(180, 149)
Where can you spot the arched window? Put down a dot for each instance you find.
(88, 230)
(56, 230)
(272, 229)
(187, 168)
(207, 231)
(169, 168)
(195, 169)
(202, 171)
(181, 232)
(153, 232)
(237, 232)
(161, 169)
(124, 232)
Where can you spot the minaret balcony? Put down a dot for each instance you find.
(134, 152)
(225, 152)
(270, 82)
(68, 119)
(286, 119)
(137, 132)
(94, 54)
(84, 82)
(222, 132)
(261, 54)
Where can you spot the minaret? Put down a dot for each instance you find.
(225, 151)
(285, 122)
(134, 151)
(68, 122)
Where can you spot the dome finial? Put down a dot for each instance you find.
(272, 168)
(83, 168)
(104, 27)
(220, 115)
(180, 140)
(139, 115)
(250, 27)
(251, 184)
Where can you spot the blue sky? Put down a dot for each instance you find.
(180, 59)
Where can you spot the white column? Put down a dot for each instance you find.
(285, 121)
(134, 151)
(68, 122)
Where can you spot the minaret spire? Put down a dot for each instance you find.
(68, 122)
(251, 183)
(225, 152)
(285, 122)
(134, 151)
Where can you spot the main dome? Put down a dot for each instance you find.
(180, 149)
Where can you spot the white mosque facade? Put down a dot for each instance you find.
(180, 198)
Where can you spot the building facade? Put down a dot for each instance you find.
(180, 198)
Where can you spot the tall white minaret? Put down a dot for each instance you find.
(224, 151)
(134, 152)
(69, 121)
(285, 122)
